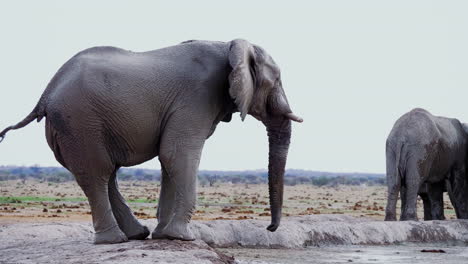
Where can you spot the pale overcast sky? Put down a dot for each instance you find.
(349, 68)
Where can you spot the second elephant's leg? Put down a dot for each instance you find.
(412, 183)
(403, 199)
(123, 214)
(165, 204)
(435, 194)
(459, 192)
(427, 206)
(393, 188)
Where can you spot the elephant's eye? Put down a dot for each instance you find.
(277, 82)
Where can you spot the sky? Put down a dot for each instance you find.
(349, 68)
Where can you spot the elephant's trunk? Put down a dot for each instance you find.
(279, 135)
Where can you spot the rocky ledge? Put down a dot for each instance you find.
(320, 230)
(72, 242)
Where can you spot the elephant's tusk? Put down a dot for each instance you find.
(294, 117)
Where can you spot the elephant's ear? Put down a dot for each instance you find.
(241, 78)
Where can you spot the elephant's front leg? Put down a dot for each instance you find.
(165, 204)
(180, 159)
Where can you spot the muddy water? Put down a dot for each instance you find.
(405, 253)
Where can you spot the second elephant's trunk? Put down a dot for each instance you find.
(279, 135)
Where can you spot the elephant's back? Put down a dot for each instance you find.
(415, 127)
(94, 100)
(108, 92)
(425, 137)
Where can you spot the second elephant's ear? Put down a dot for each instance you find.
(242, 78)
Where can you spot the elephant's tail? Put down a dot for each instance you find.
(399, 149)
(37, 113)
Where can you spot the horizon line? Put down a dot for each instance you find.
(262, 169)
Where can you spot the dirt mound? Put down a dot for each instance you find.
(72, 243)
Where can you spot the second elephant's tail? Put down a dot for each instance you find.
(398, 150)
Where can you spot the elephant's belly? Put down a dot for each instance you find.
(138, 158)
(439, 172)
(136, 151)
(139, 141)
(438, 176)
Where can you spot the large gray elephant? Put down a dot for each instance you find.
(426, 151)
(107, 107)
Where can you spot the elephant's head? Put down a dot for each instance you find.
(255, 85)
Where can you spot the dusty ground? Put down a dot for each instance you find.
(35, 201)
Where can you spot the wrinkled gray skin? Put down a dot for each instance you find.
(420, 149)
(108, 107)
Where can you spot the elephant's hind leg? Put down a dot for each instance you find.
(403, 199)
(393, 188)
(413, 183)
(95, 186)
(123, 214)
(436, 198)
(458, 192)
(427, 206)
(92, 169)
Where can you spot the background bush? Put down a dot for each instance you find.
(205, 178)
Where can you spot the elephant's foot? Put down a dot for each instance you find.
(409, 217)
(390, 217)
(158, 232)
(174, 231)
(110, 236)
(438, 217)
(139, 233)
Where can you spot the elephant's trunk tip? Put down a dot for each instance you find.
(273, 226)
(294, 117)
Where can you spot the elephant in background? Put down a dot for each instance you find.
(108, 108)
(423, 154)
